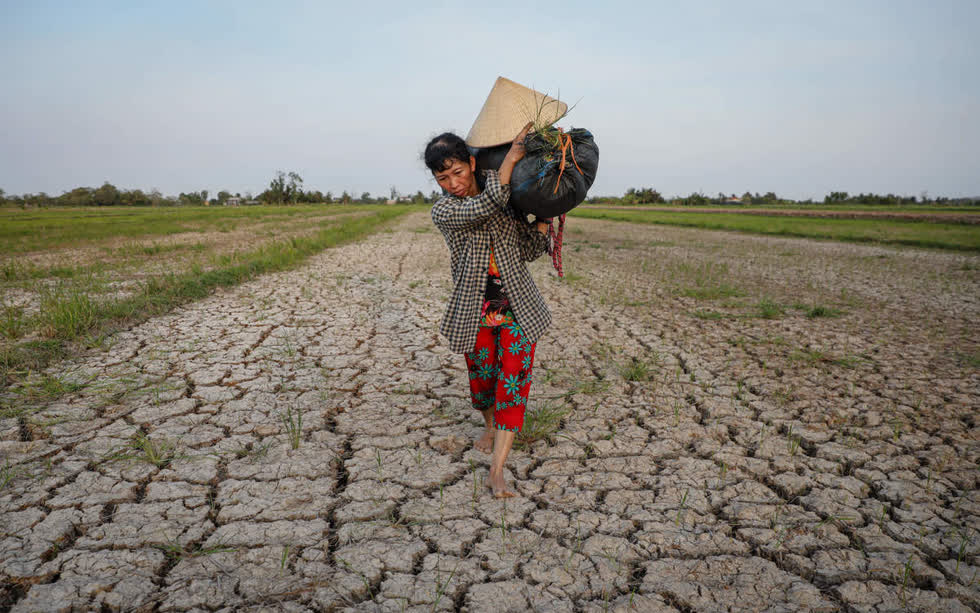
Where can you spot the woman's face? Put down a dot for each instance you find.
(459, 179)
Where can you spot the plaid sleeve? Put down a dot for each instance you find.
(532, 242)
(465, 213)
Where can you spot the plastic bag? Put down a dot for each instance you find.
(555, 175)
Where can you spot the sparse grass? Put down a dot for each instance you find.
(818, 310)
(636, 369)
(682, 509)
(541, 423)
(969, 360)
(592, 386)
(8, 473)
(712, 315)
(808, 356)
(711, 292)
(12, 322)
(177, 552)
(849, 360)
(768, 309)
(292, 423)
(33, 391)
(792, 442)
(159, 452)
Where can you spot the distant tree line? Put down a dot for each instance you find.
(648, 195)
(285, 188)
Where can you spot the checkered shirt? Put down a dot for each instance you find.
(470, 226)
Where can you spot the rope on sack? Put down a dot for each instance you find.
(554, 244)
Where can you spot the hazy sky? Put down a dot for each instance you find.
(797, 98)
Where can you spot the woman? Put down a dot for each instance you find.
(495, 314)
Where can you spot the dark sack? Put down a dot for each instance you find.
(539, 186)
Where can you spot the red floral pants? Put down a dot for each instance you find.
(500, 372)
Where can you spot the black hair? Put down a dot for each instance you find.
(443, 149)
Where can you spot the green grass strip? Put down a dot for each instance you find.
(917, 234)
(40, 229)
(68, 316)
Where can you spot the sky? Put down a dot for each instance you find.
(796, 98)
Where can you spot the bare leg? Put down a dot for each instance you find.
(503, 440)
(485, 442)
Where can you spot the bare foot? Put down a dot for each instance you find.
(499, 487)
(485, 442)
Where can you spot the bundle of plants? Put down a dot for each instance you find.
(555, 175)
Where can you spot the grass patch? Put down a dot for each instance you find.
(590, 387)
(66, 313)
(887, 231)
(969, 360)
(12, 323)
(158, 452)
(814, 357)
(34, 391)
(541, 423)
(636, 369)
(8, 473)
(713, 292)
(176, 552)
(818, 310)
(292, 423)
(711, 315)
(768, 309)
(808, 356)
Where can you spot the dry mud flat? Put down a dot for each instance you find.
(722, 463)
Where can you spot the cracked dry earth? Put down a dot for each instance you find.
(731, 463)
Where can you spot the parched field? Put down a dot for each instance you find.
(880, 227)
(71, 276)
(928, 214)
(720, 421)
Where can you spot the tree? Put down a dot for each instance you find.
(294, 189)
(277, 189)
(134, 197)
(366, 196)
(394, 193)
(223, 196)
(107, 195)
(190, 199)
(646, 195)
(695, 199)
(345, 198)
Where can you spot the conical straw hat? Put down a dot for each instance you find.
(508, 109)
